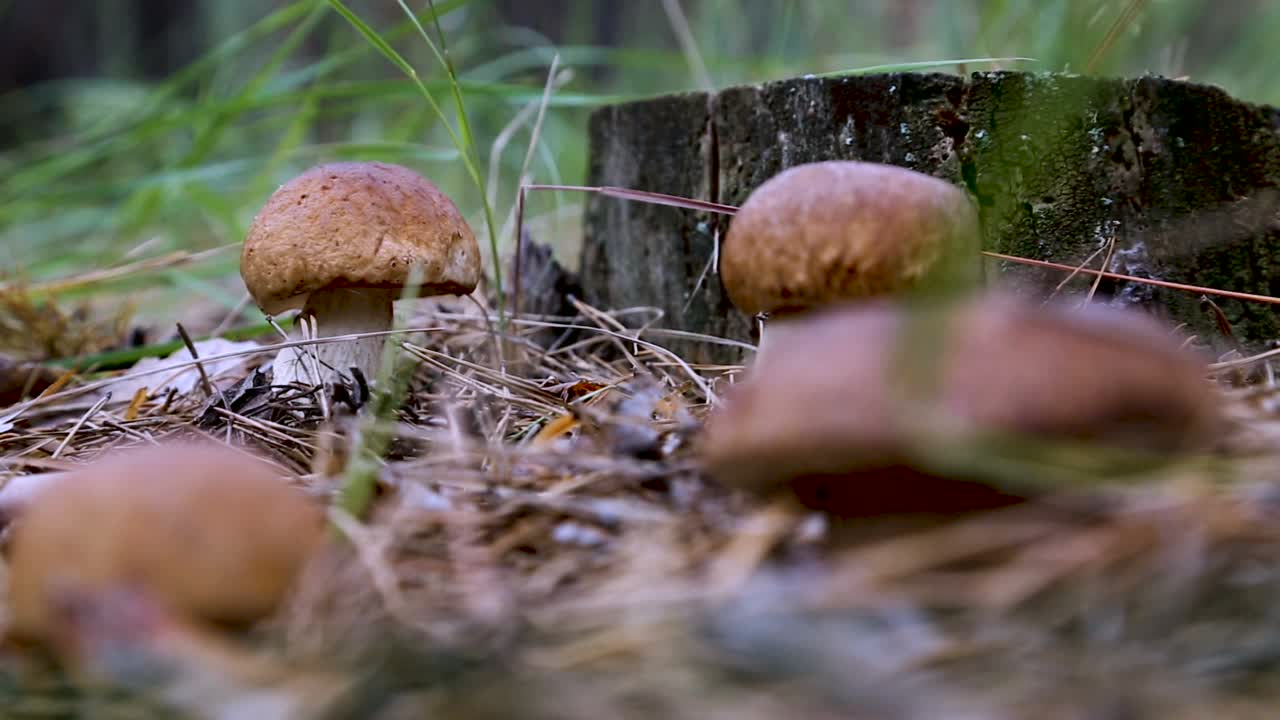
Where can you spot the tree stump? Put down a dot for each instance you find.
(1181, 177)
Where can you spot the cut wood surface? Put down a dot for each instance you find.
(1181, 177)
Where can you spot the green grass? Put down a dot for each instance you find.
(185, 163)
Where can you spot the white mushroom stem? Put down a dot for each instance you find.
(338, 312)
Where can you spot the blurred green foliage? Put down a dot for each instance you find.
(124, 168)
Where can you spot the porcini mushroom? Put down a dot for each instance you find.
(830, 413)
(341, 241)
(838, 230)
(212, 534)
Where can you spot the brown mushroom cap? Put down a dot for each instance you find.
(356, 225)
(827, 231)
(823, 407)
(209, 532)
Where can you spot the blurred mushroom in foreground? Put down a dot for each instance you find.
(842, 404)
(341, 242)
(125, 640)
(839, 230)
(211, 534)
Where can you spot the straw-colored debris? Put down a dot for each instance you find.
(544, 546)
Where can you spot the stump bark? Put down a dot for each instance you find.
(1182, 177)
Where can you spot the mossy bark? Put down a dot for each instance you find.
(1181, 176)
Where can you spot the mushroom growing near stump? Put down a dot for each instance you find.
(341, 241)
(838, 230)
(834, 415)
(211, 534)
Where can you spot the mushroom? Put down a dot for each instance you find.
(210, 533)
(838, 230)
(341, 241)
(125, 640)
(833, 411)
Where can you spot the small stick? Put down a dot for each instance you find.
(204, 376)
(1147, 281)
(1075, 271)
(1106, 265)
(310, 331)
(498, 339)
(653, 198)
(191, 348)
(712, 262)
(515, 281)
(79, 424)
